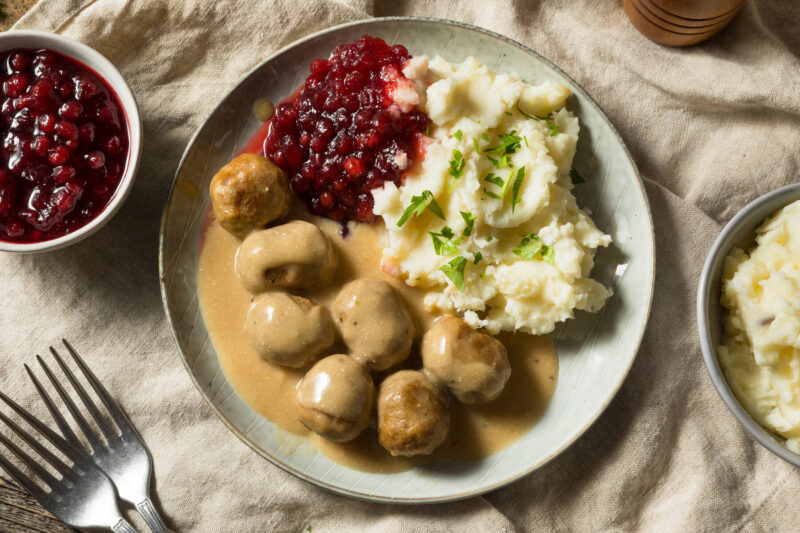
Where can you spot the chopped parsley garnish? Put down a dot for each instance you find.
(478, 258)
(515, 199)
(489, 238)
(576, 177)
(502, 162)
(509, 113)
(484, 136)
(508, 145)
(483, 274)
(532, 247)
(454, 270)
(443, 242)
(469, 219)
(491, 178)
(526, 115)
(492, 195)
(553, 128)
(418, 205)
(428, 130)
(507, 183)
(456, 167)
(458, 135)
(526, 141)
(475, 144)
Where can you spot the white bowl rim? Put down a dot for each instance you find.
(108, 73)
(704, 288)
(470, 493)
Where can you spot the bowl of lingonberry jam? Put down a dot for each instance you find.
(71, 141)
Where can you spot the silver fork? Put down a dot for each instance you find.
(83, 497)
(124, 457)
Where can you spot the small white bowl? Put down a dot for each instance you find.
(740, 231)
(102, 67)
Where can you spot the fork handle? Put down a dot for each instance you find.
(123, 526)
(151, 516)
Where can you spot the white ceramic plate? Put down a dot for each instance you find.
(595, 351)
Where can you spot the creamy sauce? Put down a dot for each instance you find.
(476, 431)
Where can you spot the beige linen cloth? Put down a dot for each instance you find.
(711, 128)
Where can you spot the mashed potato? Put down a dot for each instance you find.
(761, 351)
(514, 250)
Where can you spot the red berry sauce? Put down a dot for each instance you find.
(340, 136)
(64, 145)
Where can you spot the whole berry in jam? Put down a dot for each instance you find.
(64, 145)
(339, 138)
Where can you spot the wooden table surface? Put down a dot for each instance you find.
(19, 511)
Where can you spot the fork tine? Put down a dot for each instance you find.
(54, 438)
(21, 478)
(114, 410)
(51, 406)
(73, 409)
(31, 463)
(87, 401)
(46, 454)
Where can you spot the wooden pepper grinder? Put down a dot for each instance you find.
(680, 22)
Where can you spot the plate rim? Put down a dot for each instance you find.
(350, 492)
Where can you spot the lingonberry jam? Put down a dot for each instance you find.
(64, 145)
(345, 132)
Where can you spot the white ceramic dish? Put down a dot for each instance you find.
(105, 69)
(738, 232)
(596, 351)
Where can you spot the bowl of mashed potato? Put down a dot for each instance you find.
(748, 313)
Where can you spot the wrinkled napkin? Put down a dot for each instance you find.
(711, 128)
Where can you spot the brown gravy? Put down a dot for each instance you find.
(476, 431)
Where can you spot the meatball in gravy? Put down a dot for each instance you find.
(289, 330)
(374, 322)
(472, 365)
(294, 255)
(413, 418)
(336, 398)
(248, 193)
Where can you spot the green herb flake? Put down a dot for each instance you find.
(469, 220)
(508, 143)
(515, 199)
(532, 247)
(576, 177)
(458, 135)
(456, 167)
(418, 205)
(526, 115)
(475, 144)
(553, 128)
(492, 195)
(507, 183)
(454, 270)
(491, 178)
(489, 238)
(478, 258)
(484, 136)
(444, 245)
(509, 113)
(483, 274)
(525, 138)
(427, 130)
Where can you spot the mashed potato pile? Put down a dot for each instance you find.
(761, 351)
(487, 223)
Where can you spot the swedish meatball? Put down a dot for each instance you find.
(293, 255)
(336, 398)
(248, 193)
(374, 323)
(413, 418)
(289, 330)
(472, 365)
